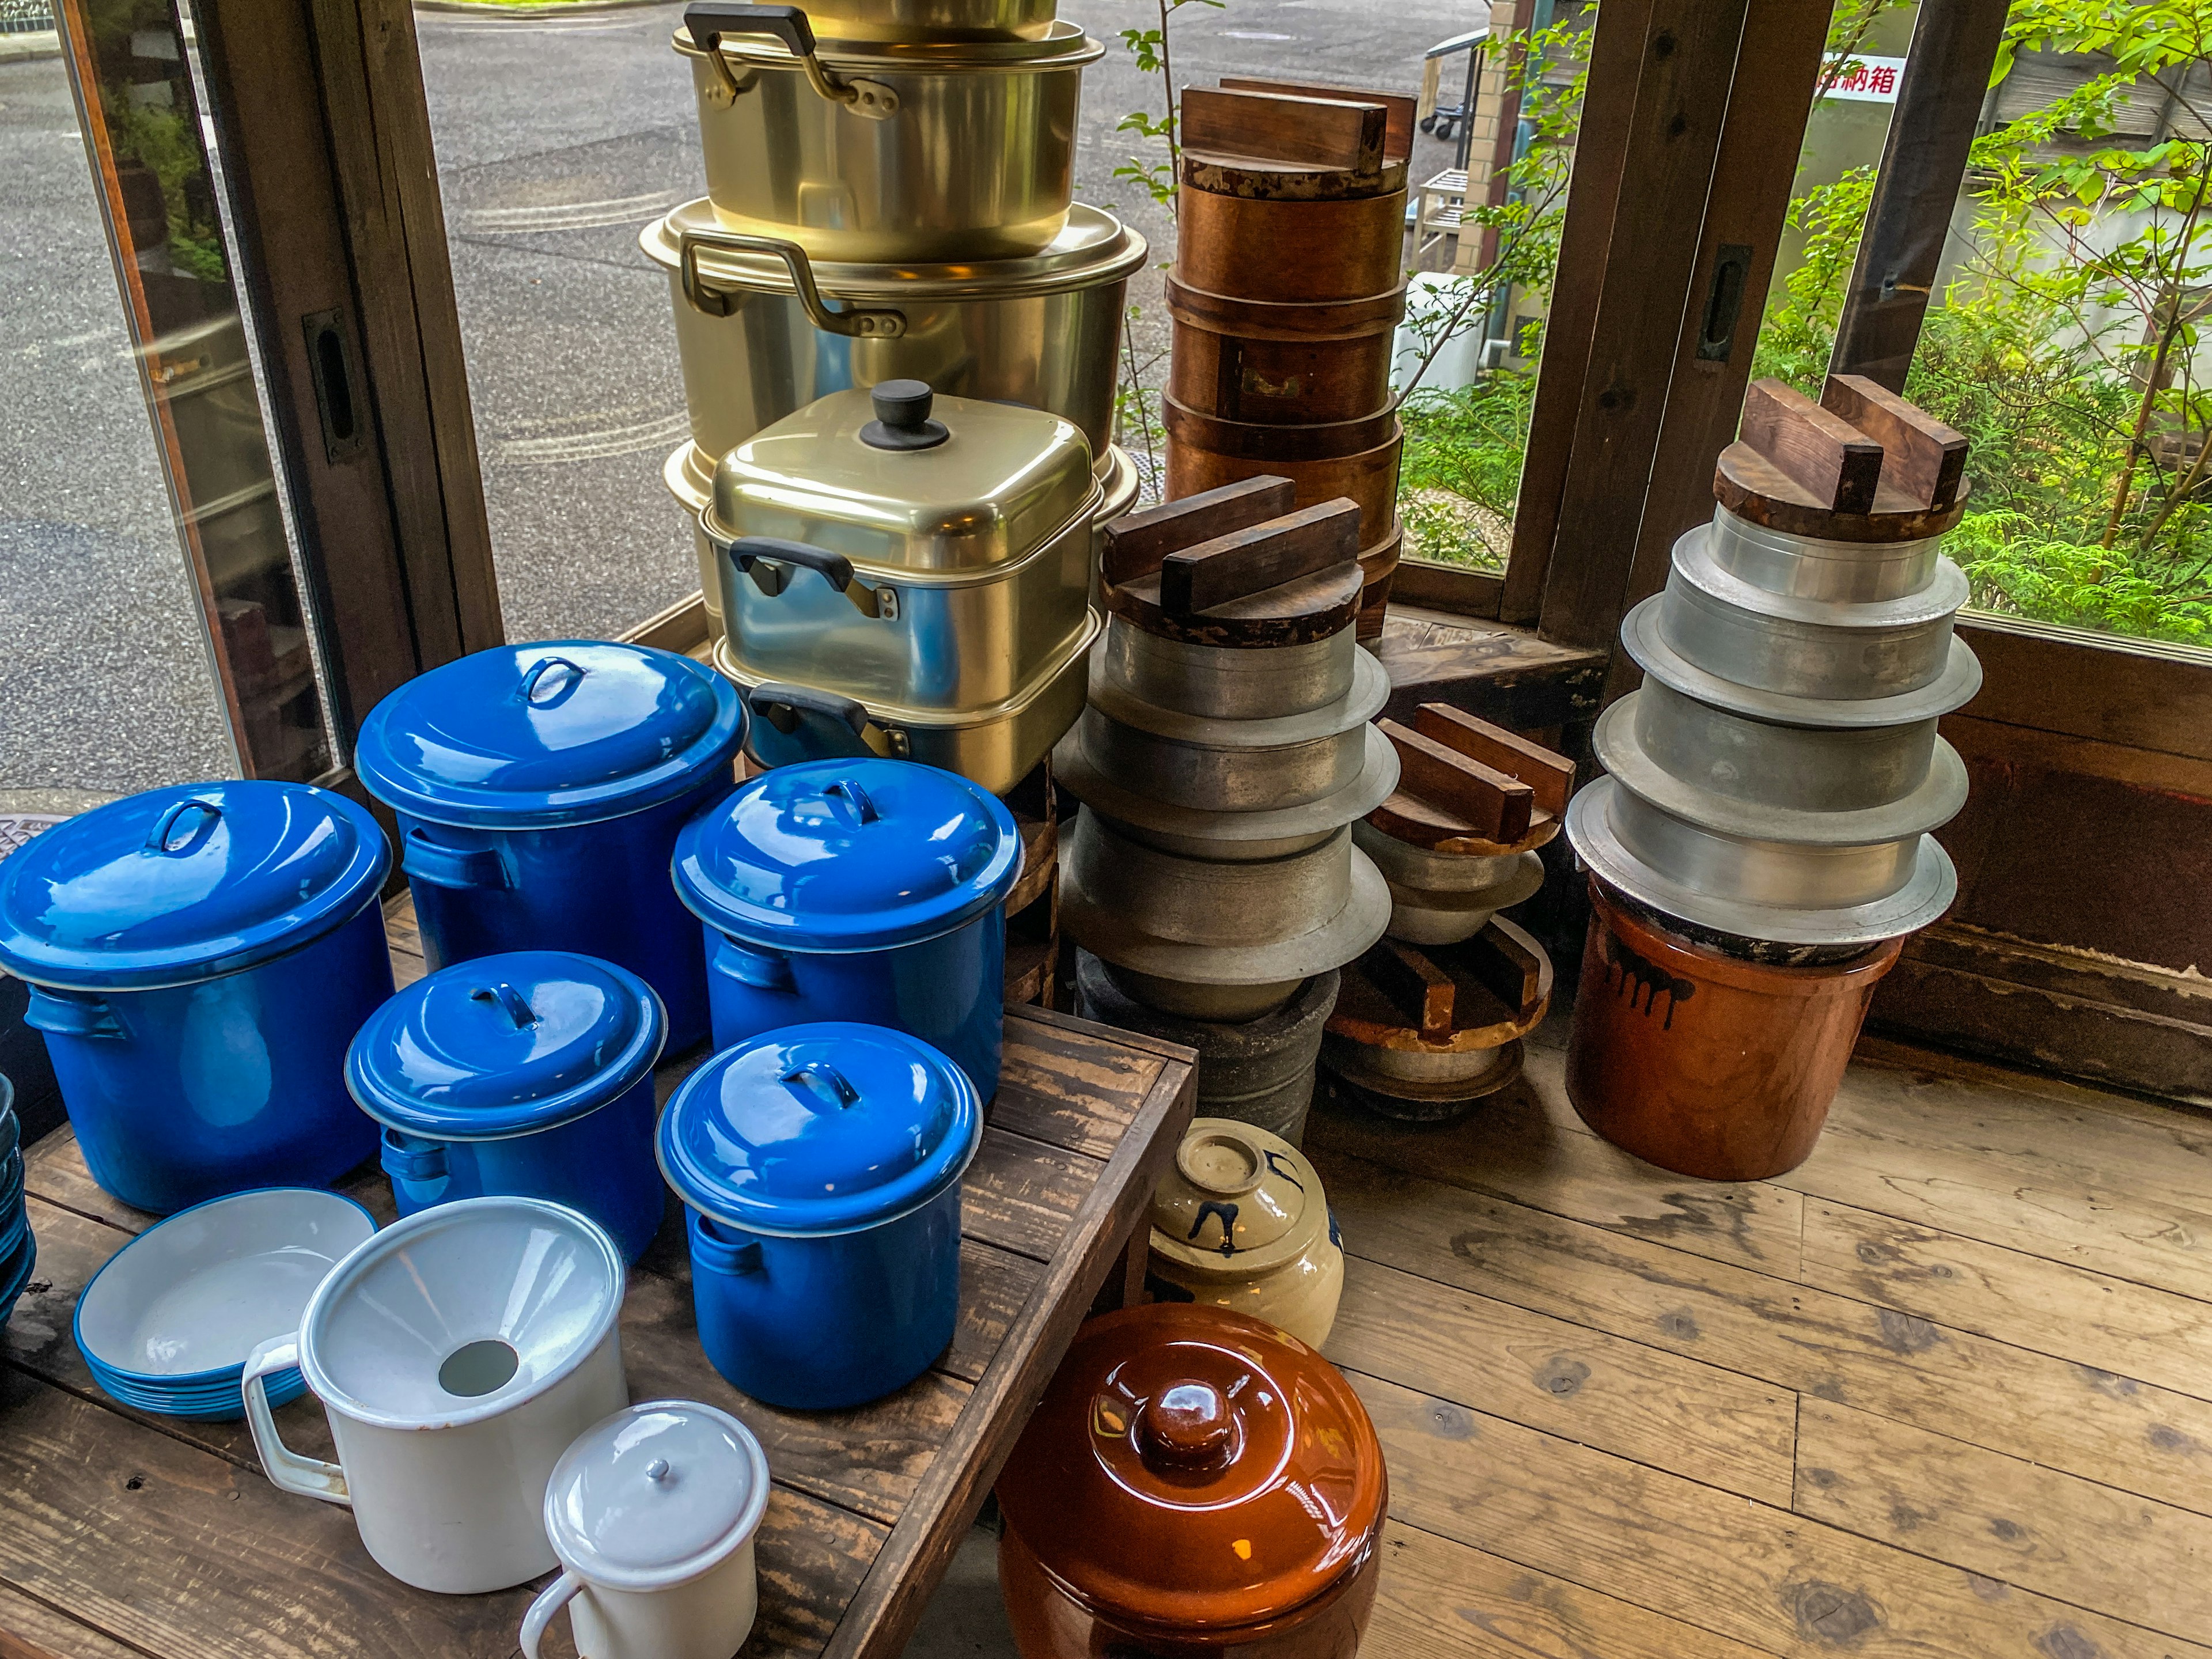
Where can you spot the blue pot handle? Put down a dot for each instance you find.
(410, 1157)
(425, 860)
(748, 965)
(710, 1250)
(72, 1014)
(538, 671)
(157, 840)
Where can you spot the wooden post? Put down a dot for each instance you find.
(1688, 51)
(1783, 47)
(1954, 46)
(325, 139)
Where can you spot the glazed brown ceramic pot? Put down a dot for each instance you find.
(1706, 1063)
(1196, 1485)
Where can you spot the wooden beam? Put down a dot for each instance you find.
(1939, 103)
(327, 141)
(1690, 47)
(1737, 247)
(1812, 446)
(1324, 132)
(1398, 136)
(1617, 56)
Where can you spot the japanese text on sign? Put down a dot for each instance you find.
(1870, 79)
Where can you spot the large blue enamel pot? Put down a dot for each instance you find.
(539, 789)
(822, 1165)
(526, 1075)
(198, 959)
(857, 890)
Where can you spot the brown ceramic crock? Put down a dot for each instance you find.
(1705, 1064)
(1194, 1484)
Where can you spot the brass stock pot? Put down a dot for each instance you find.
(893, 151)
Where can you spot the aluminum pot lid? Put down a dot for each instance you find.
(655, 1494)
(1190, 1467)
(178, 885)
(849, 854)
(821, 1128)
(505, 1045)
(1092, 247)
(1239, 1200)
(533, 737)
(895, 478)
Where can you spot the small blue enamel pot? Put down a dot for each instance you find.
(822, 1165)
(857, 890)
(526, 1075)
(539, 789)
(198, 959)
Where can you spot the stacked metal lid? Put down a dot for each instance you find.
(1225, 754)
(1771, 787)
(888, 197)
(1429, 1021)
(1287, 293)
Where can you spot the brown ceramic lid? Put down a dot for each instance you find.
(1194, 1468)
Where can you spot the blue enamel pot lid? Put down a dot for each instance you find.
(183, 884)
(535, 736)
(506, 1045)
(848, 855)
(822, 1128)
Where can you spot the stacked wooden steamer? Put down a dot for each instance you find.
(1430, 1022)
(1286, 295)
(1212, 878)
(888, 197)
(1761, 844)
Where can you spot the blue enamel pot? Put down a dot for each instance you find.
(857, 890)
(524, 1075)
(198, 959)
(539, 789)
(821, 1167)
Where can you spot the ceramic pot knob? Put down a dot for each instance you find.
(1186, 1425)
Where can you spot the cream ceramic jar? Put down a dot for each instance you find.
(1242, 1223)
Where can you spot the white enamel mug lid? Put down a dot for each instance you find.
(655, 1495)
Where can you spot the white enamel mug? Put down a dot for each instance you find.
(458, 1355)
(652, 1514)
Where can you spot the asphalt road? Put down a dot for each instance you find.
(558, 138)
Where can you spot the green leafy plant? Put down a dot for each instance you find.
(1150, 48)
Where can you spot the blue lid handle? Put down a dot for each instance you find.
(545, 665)
(823, 1081)
(517, 1006)
(158, 839)
(856, 808)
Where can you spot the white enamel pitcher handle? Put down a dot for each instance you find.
(550, 1600)
(308, 1476)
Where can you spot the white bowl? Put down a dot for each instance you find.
(191, 1296)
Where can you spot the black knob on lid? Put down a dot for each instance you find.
(902, 418)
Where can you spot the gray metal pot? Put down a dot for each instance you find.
(1226, 682)
(1232, 765)
(1809, 567)
(1807, 646)
(1809, 769)
(761, 329)
(1241, 933)
(898, 152)
(1441, 898)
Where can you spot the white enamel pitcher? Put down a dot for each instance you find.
(457, 1353)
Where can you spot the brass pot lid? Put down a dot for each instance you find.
(994, 483)
(1092, 247)
(1064, 45)
(1240, 1200)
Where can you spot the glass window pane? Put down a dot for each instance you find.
(152, 626)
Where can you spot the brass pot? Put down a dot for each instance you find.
(896, 151)
(841, 21)
(762, 329)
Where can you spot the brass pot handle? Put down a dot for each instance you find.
(860, 322)
(708, 21)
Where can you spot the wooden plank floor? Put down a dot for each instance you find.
(1945, 1390)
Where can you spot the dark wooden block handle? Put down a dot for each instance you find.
(1923, 458)
(1813, 447)
(1496, 806)
(1248, 562)
(1137, 542)
(1416, 986)
(1551, 776)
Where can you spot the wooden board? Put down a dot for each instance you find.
(1402, 110)
(163, 1535)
